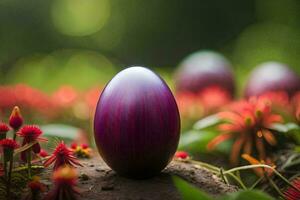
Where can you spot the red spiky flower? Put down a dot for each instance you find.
(65, 179)
(248, 124)
(8, 146)
(16, 119)
(291, 193)
(3, 130)
(61, 156)
(181, 155)
(31, 133)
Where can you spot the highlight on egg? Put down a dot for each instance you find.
(137, 123)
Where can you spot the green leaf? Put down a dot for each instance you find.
(23, 168)
(207, 122)
(247, 195)
(284, 128)
(61, 131)
(196, 140)
(189, 192)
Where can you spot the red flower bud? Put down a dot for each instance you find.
(43, 153)
(81, 151)
(74, 145)
(16, 119)
(84, 146)
(181, 155)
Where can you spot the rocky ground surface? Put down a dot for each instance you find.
(98, 181)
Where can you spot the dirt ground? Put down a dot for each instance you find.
(98, 181)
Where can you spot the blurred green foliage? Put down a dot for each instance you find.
(52, 42)
(80, 69)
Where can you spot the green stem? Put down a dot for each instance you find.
(223, 176)
(290, 164)
(274, 186)
(216, 170)
(29, 162)
(5, 168)
(11, 163)
(262, 166)
(24, 168)
(256, 183)
(15, 135)
(289, 160)
(239, 181)
(248, 167)
(206, 165)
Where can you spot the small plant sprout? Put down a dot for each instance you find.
(31, 136)
(4, 128)
(61, 156)
(64, 179)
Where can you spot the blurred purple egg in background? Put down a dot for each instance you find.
(272, 77)
(203, 69)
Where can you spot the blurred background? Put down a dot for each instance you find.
(42, 41)
(69, 49)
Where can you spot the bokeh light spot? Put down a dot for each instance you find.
(80, 17)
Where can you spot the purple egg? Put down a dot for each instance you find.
(203, 69)
(272, 76)
(137, 123)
